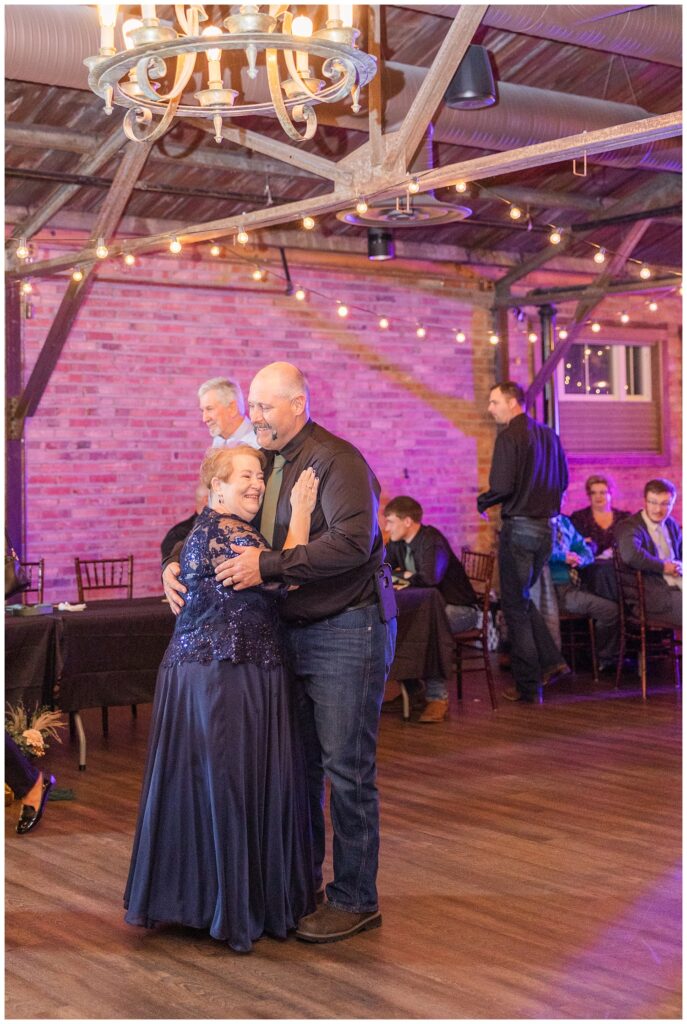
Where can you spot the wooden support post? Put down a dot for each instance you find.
(14, 439)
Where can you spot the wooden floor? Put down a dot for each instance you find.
(530, 869)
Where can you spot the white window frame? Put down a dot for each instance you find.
(618, 363)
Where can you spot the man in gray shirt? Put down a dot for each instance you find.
(224, 413)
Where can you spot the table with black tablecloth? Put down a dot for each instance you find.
(424, 645)
(31, 658)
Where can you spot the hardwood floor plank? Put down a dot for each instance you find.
(530, 868)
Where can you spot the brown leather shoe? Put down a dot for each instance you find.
(330, 924)
(556, 672)
(512, 693)
(436, 711)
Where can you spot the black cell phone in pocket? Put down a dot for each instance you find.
(384, 585)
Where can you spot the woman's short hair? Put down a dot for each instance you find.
(219, 462)
(597, 479)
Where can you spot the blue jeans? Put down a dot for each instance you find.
(460, 617)
(340, 666)
(524, 548)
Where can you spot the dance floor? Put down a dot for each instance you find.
(530, 868)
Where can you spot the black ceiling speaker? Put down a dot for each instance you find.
(380, 244)
(472, 86)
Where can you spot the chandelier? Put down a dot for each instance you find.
(152, 76)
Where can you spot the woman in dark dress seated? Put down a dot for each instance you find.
(223, 834)
(595, 523)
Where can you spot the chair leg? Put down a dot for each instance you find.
(106, 722)
(459, 672)
(642, 665)
(490, 677)
(621, 659)
(592, 647)
(134, 711)
(406, 701)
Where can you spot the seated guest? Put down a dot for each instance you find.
(597, 520)
(570, 552)
(422, 556)
(180, 531)
(651, 541)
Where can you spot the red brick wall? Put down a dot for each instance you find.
(113, 452)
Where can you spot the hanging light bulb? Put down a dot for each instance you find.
(342, 310)
(600, 256)
(107, 14)
(624, 318)
(515, 213)
(299, 295)
(175, 245)
(413, 186)
(242, 237)
(461, 186)
(421, 332)
(308, 223)
(26, 287)
(77, 275)
(258, 274)
(596, 327)
(22, 250)
(645, 272)
(302, 27)
(555, 237)
(493, 338)
(383, 322)
(563, 334)
(460, 337)
(532, 337)
(653, 306)
(215, 250)
(361, 206)
(101, 249)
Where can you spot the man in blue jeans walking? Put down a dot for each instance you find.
(528, 477)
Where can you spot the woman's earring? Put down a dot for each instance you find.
(220, 497)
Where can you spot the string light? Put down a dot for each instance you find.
(460, 337)
(562, 334)
(624, 318)
(461, 186)
(299, 295)
(596, 327)
(342, 310)
(515, 213)
(555, 237)
(258, 274)
(308, 223)
(175, 246)
(413, 186)
(77, 275)
(645, 272)
(532, 337)
(361, 206)
(22, 250)
(215, 250)
(243, 237)
(600, 256)
(421, 332)
(493, 338)
(383, 322)
(101, 249)
(129, 259)
(653, 306)
(26, 287)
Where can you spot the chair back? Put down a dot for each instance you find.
(630, 592)
(34, 572)
(479, 569)
(106, 574)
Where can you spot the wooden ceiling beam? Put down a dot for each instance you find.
(556, 296)
(406, 140)
(109, 215)
(375, 98)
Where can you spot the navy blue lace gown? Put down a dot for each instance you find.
(223, 834)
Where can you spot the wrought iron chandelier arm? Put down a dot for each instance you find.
(280, 107)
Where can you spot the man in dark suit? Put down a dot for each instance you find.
(651, 541)
(422, 556)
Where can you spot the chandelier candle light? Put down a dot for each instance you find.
(152, 75)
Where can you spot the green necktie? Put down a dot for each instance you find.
(269, 505)
(409, 558)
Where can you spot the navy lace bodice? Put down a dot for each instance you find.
(218, 623)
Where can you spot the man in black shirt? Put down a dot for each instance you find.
(340, 648)
(422, 556)
(528, 477)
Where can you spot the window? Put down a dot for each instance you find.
(614, 372)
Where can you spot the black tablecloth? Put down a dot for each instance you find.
(109, 654)
(30, 658)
